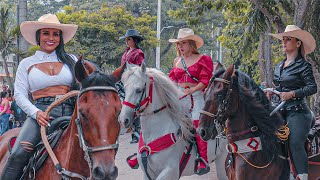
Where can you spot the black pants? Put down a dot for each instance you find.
(28, 138)
(136, 128)
(299, 121)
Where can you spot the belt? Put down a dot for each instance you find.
(294, 102)
(70, 101)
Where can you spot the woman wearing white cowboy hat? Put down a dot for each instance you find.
(293, 77)
(192, 72)
(45, 75)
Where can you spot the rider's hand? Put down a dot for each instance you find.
(188, 91)
(287, 95)
(42, 119)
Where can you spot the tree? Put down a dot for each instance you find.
(98, 33)
(7, 37)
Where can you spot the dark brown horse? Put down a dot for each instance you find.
(234, 103)
(97, 109)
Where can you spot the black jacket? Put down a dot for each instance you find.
(297, 77)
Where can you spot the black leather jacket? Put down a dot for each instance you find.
(297, 77)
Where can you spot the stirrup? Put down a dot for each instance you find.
(201, 171)
(133, 157)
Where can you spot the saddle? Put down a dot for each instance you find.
(54, 133)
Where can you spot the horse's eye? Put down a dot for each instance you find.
(138, 91)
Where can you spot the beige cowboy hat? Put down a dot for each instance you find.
(309, 43)
(188, 34)
(29, 28)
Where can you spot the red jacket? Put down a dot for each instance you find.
(136, 56)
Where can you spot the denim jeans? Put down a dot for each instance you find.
(30, 132)
(4, 119)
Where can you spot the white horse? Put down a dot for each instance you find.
(151, 95)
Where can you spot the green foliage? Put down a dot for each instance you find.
(98, 33)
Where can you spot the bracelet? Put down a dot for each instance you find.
(293, 94)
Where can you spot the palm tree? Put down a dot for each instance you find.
(7, 37)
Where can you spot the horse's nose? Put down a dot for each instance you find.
(98, 173)
(202, 132)
(126, 123)
(113, 172)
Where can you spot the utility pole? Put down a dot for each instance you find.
(22, 16)
(158, 35)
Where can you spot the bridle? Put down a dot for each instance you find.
(222, 109)
(144, 101)
(83, 144)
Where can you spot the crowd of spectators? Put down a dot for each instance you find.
(11, 115)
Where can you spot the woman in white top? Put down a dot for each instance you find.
(45, 75)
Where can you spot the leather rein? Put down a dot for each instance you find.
(222, 108)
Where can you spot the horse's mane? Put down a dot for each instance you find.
(259, 107)
(98, 78)
(169, 93)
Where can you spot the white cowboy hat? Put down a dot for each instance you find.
(29, 28)
(309, 43)
(188, 34)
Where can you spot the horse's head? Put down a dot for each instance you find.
(135, 85)
(98, 109)
(220, 102)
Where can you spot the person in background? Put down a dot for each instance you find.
(47, 75)
(133, 55)
(4, 88)
(192, 72)
(4, 112)
(19, 115)
(293, 77)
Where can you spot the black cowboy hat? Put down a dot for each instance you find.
(132, 33)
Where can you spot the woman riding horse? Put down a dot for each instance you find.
(192, 72)
(294, 79)
(47, 74)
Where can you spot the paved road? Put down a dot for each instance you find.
(126, 173)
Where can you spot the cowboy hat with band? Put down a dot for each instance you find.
(29, 28)
(188, 34)
(132, 33)
(308, 41)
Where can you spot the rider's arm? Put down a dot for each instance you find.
(310, 86)
(21, 88)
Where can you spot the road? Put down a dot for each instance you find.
(126, 173)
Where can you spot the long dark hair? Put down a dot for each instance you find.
(3, 95)
(62, 55)
(137, 41)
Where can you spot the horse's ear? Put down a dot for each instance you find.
(119, 71)
(234, 72)
(143, 67)
(80, 70)
(229, 72)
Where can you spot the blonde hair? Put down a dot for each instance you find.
(192, 45)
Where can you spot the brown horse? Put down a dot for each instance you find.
(234, 103)
(97, 127)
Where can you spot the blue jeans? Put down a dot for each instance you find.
(4, 119)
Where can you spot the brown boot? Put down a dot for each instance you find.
(202, 162)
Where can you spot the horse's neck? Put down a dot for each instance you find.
(238, 122)
(69, 148)
(157, 124)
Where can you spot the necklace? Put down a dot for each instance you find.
(51, 67)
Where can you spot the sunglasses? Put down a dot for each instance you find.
(128, 39)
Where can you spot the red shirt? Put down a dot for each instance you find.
(136, 56)
(202, 70)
